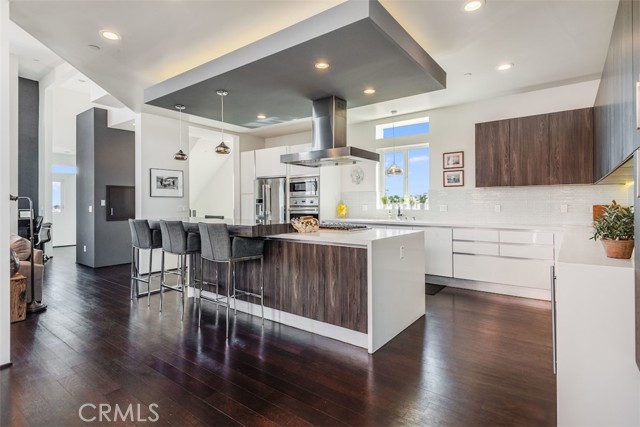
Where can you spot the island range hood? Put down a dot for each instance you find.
(329, 141)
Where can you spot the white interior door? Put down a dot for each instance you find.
(63, 197)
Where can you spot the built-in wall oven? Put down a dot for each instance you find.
(304, 197)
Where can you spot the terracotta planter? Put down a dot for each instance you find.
(618, 248)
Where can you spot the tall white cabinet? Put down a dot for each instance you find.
(267, 162)
(598, 380)
(247, 178)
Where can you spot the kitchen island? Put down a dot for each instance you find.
(360, 287)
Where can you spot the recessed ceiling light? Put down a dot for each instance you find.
(321, 65)
(472, 5)
(82, 80)
(94, 47)
(504, 67)
(261, 116)
(370, 91)
(110, 35)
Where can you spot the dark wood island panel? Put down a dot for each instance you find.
(321, 282)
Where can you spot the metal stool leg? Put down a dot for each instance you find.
(162, 277)
(262, 287)
(149, 277)
(200, 292)
(235, 298)
(137, 284)
(182, 282)
(133, 260)
(228, 296)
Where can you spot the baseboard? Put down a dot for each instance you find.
(494, 288)
(6, 365)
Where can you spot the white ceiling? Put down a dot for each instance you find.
(35, 60)
(550, 42)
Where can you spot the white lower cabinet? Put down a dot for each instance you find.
(438, 251)
(598, 381)
(507, 271)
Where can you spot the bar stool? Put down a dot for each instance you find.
(218, 247)
(142, 238)
(176, 241)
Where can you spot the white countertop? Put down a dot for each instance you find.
(422, 223)
(578, 249)
(344, 238)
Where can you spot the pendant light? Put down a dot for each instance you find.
(394, 169)
(180, 155)
(222, 148)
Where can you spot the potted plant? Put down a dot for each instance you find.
(423, 198)
(615, 229)
(385, 201)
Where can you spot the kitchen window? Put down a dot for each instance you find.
(412, 187)
(403, 128)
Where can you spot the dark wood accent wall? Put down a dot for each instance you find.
(492, 154)
(614, 106)
(571, 147)
(320, 282)
(529, 150)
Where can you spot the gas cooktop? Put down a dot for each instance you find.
(343, 226)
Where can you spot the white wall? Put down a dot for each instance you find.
(64, 223)
(291, 139)
(211, 176)
(5, 176)
(453, 129)
(66, 104)
(13, 129)
(156, 142)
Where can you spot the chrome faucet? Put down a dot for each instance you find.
(400, 214)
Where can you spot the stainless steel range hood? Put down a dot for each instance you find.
(329, 141)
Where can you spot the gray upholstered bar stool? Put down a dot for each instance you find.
(176, 241)
(142, 238)
(218, 247)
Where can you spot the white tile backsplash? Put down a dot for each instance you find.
(518, 205)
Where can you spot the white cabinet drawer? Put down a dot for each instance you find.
(479, 248)
(507, 271)
(476, 234)
(527, 251)
(532, 237)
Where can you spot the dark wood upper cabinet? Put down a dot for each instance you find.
(492, 154)
(529, 150)
(571, 146)
(614, 110)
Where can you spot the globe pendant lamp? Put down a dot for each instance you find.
(394, 169)
(222, 148)
(180, 155)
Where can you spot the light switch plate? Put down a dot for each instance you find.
(443, 208)
(497, 208)
(90, 209)
(365, 208)
(103, 203)
(564, 208)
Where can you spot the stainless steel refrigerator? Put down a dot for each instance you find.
(271, 200)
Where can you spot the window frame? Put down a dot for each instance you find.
(404, 151)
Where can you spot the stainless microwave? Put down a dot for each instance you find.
(307, 186)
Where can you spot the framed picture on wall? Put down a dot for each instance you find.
(166, 183)
(453, 160)
(453, 178)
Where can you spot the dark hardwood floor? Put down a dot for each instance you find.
(477, 359)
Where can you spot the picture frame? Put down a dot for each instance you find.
(453, 160)
(453, 178)
(166, 183)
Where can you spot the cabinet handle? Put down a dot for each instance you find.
(111, 211)
(553, 319)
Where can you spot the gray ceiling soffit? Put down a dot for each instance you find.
(364, 44)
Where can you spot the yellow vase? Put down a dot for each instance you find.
(342, 210)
